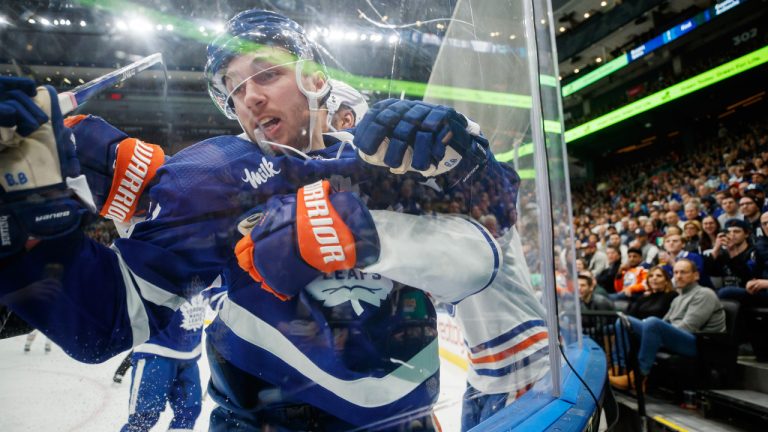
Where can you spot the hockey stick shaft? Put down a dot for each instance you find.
(72, 99)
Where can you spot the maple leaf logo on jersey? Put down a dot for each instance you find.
(353, 286)
(192, 313)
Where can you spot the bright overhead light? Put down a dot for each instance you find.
(45, 22)
(31, 21)
(335, 35)
(586, 15)
(562, 29)
(393, 39)
(121, 25)
(202, 29)
(576, 70)
(169, 27)
(512, 37)
(599, 60)
(603, 3)
(56, 22)
(141, 24)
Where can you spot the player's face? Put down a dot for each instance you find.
(266, 97)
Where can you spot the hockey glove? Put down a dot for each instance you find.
(118, 168)
(416, 136)
(293, 239)
(43, 194)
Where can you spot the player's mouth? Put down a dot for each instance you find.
(270, 126)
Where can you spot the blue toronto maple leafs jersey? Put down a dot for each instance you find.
(182, 338)
(355, 344)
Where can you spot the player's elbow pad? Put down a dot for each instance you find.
(118, 168)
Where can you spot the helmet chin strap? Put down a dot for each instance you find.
(313, 99)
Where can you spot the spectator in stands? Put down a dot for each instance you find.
(490, 222)
(755, 291)
(751, 211)
(630, 279)
(673, 251)
(606, 277)
(591, 297)
(709, 227)
(730, 209)
(695, 309)
(652, 231)
(692, 236)
(596, 260)
(649, 251)
(692, 211)
(732, 254)
(615, 241)
(672, 219)
(709, 206)
(757, 192)
(656, 300)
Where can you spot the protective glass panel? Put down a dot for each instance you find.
(360, 208)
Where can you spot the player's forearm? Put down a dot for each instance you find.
(447, 256)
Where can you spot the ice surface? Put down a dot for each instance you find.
(51, 392)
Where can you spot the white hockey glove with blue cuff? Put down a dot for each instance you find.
(43, 194)
(417, 136)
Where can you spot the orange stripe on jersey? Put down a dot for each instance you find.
(71, 121)
(325, 241)
(244, 254)
(136, 164)
(511, 350)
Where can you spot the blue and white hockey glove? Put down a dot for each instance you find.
(43, 194)
(416, 136)
(294, 239)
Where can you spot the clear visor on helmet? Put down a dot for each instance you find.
(286, 48)
(262, 65)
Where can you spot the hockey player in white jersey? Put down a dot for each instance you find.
(272, 362)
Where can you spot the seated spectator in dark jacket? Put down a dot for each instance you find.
(656, 299)
(696, 309)
(755, 291)
(732, 254)
(606, 277)
(591, 298)
(751, 211)
(630, 279)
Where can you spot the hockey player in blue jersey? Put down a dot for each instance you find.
(345, 348)
(165, 368)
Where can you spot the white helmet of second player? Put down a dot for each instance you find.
(344, 94)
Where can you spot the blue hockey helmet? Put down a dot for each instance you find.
(254, 30)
